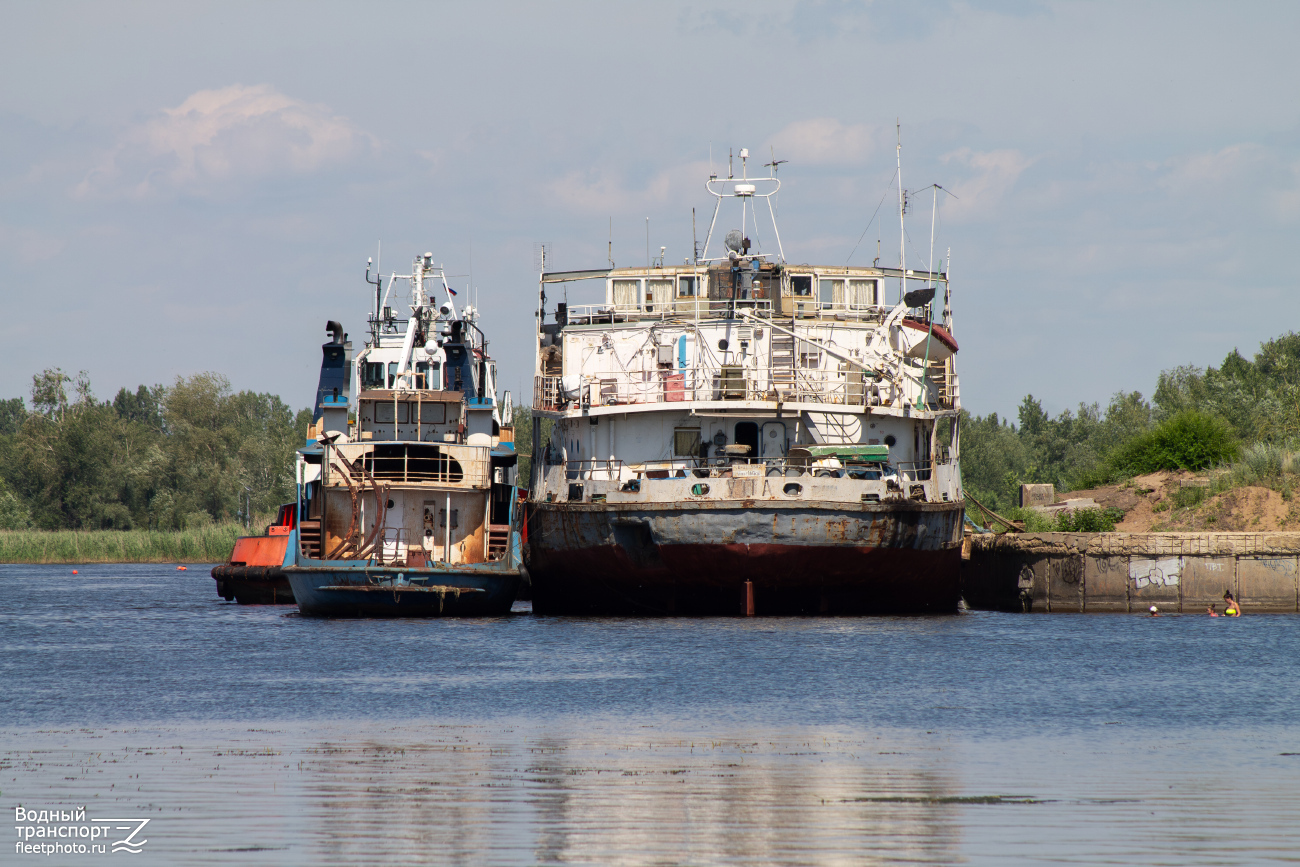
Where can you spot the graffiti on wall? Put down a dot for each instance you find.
(1155, 573)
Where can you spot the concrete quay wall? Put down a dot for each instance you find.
(1129, 572)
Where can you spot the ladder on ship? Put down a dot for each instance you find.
(309, 539)
(498, 541)
(945, 385)
(781, 371)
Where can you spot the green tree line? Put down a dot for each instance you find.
(192, 453)
(161, 457)
(1197, 418)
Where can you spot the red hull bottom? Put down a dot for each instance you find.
(710, 580)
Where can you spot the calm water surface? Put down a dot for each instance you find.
(251, 735)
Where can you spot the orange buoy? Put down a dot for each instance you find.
(74, 571)
(181, 569)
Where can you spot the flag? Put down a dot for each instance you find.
(451, 290)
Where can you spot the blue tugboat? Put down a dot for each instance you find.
(407, 504)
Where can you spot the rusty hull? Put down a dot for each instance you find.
(803, 558)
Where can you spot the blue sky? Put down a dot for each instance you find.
(189, 187)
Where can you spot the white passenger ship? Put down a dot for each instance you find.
(740, 434)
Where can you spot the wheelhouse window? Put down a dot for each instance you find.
(862, 294)
(427, 374)
(830, 293)
(625, 294)
(686, 287)
(372, 374)
(658, 293)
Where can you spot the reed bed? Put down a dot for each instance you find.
(211, 544)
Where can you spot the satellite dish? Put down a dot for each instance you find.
(734, 240)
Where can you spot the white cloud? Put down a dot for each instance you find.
(218, 136)
(992, 175)
(603, 191)
(824, 141)
(28, 245)
(1244, 175)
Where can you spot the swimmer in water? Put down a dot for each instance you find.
(1230, 606)
(1154, 611)
(1210, 611)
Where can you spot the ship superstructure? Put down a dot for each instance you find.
(407, 499)
(740, 433)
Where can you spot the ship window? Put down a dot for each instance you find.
(392, 373)
(830, 293)
(810, 360)
(686, 442)
(657, 294)
(862, 293)
(801, 285)
(372, 374)
(686, 287)
(433, 413)
(625, 292)
(383, 412)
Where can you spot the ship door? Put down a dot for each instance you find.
(772, 440)
(747, 435)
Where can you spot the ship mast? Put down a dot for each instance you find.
(902, 207)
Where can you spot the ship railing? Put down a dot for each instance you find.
(915, 471)
(411, 463)
(393, 546)
(729, 465)
(806, 306)
(685, 307)
(728, 382)
(596, 469)
(701, 307)
(548, 393)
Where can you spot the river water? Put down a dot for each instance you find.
(250, 735)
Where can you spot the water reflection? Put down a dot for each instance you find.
(624, 793)
(761, 799)
(470, 794)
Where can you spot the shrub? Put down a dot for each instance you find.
(1190, 440)
(1192, 495)
(1264, 460)
(1089, 520)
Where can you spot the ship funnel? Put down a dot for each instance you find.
(331, 408)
